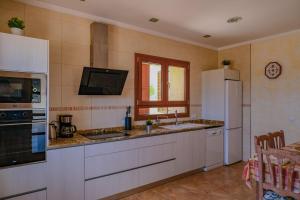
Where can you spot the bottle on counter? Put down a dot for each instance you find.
(128, 125)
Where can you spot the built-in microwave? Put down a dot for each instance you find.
(19, 90)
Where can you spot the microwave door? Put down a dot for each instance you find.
(22, 90)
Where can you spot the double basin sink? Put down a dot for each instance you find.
(116, 134)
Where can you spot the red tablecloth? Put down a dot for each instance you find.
(251, 173)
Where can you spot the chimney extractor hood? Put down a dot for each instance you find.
(98, 79)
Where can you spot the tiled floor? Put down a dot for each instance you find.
(224, 183)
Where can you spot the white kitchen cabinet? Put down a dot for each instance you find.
(115, 167)
(41, 195)
(65, 174)
(19, 53)
(156, 154)
(214, 148)
(190, 151)
(109, 185)
(22, 179)
(157, 172)
(110, 163)
(198, 149)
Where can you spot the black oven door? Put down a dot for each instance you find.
(22, 143)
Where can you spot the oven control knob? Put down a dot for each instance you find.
(24, 114)
(3, 115)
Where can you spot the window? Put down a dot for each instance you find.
(161, 87)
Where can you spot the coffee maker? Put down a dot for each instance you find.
(66, 129)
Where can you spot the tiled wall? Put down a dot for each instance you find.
(240, 57)
(70, 50)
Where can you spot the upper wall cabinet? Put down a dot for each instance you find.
(25, 54)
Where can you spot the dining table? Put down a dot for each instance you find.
(251, 169)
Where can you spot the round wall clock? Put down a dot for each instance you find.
(273, 70)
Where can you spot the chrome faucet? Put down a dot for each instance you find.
(176, 116)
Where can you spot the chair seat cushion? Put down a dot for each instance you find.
(270, 195)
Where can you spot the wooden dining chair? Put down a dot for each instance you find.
(277, 139)
(285, 166)
(262, 142)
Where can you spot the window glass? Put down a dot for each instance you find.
(176, 85)
(151, 82)
(161, 110)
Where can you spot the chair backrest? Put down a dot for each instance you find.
(262, 142)
(281, 172)
(277, 139)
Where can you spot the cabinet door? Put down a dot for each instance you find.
(184, 155)
(31, 54)
(190, 151)
(41, 195)
(198, 139)
(65, 174)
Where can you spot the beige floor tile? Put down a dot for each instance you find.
(223, 183)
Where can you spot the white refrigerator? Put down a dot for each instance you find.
(222, 100)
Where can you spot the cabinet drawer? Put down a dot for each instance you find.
(110, 163)
(155, 154)
(41, 195)
(110, 147)
(18, 180)
(155, 140)
(110, 185)
(156, 172)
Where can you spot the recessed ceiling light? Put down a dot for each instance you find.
(234, 19)
(206, 36)
(153, 19)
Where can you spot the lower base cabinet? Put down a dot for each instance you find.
(110, 185)
(97, 171)
(190, 151)
(157, 172)
(41, 195)
(22, 179)
(65, 174)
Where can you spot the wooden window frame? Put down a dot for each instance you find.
(165, 63)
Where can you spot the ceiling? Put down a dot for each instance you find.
(191, 19)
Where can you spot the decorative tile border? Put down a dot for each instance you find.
(109, 107)
(80, 108)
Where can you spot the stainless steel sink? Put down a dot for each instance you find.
(184, 126)
(102, 136)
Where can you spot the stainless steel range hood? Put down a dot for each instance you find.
(99, 45)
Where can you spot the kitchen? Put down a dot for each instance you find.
(60, 42)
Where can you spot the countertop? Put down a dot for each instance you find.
(136, 132)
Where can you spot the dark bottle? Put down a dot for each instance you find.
(128, 125)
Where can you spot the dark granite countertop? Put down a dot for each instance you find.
(137, 132)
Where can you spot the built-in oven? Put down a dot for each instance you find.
(23, 117)
(22, 136)
(22, 90)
